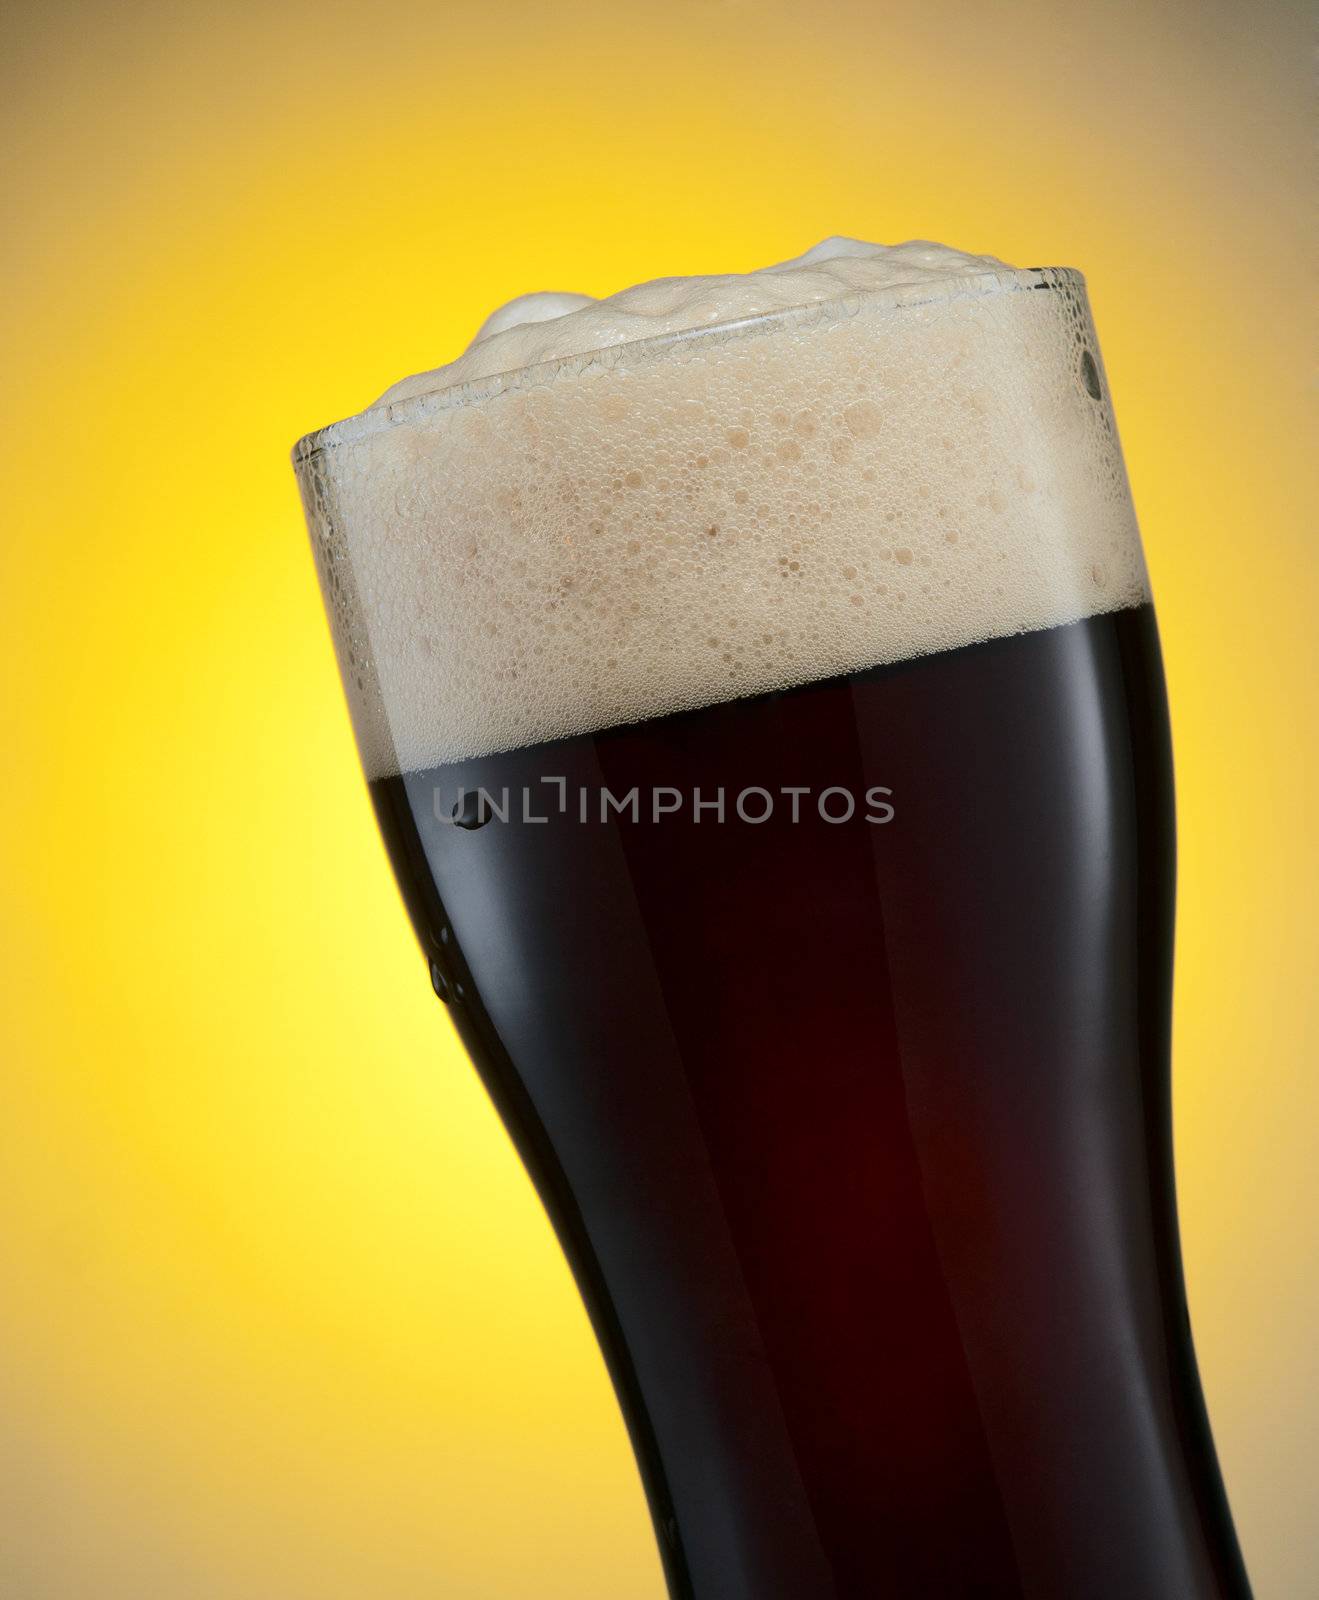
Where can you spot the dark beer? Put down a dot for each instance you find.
(855, 1129)
(767, 728)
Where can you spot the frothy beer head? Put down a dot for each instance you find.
(706, 488)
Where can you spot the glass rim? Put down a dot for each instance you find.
(383, 415)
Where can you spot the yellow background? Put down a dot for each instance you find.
(281, 1317)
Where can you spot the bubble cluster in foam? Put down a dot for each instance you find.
(673, 525)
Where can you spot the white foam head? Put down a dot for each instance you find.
(703, 488)
(536, 328)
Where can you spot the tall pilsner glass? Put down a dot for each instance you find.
(767, 728)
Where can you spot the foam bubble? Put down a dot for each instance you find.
(892, 470)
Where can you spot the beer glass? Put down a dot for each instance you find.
(767, 728)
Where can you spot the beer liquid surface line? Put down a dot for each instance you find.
(857, 1137)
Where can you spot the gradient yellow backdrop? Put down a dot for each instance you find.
(281, 1317)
